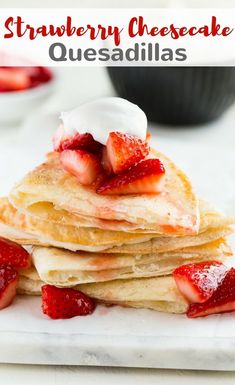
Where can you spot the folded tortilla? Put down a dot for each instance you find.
(159, 294)
(30, 229)
(164, 244)
(33, 230)
(66, 269)
(49, 188)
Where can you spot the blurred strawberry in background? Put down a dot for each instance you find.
(22, 78)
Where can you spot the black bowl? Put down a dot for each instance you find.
(177, 95)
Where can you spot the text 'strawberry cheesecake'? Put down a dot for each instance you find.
(112, 220)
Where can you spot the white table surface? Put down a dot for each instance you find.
(94, 83)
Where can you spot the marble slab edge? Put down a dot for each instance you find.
(121, 351)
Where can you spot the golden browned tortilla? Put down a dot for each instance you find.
(175, 211)
(65, 268)
(32, 230)
(159, 293)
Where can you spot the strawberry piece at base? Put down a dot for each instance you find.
(14, 255)
(63, 141)
(198, 281)
(222, 301)
(8, 284)
(83, 165)
(61, 303)
(145, 177)
(124, 151)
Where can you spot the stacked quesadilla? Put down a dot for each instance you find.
(118, 248)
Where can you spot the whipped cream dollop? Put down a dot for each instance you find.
(105, 115)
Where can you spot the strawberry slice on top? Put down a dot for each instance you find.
(198, 281)
(83, 165)
(8, 284)
(63, 141)
(222, 300)
(105, 162)
(143, 178)
(125, 151)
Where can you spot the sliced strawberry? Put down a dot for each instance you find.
(63, 141)
(198, 281)
(59, 138)
(8, 284)
(105, 162)
(85, 166)
(125, 151)
(63, 303)
(13, 79)
(222, 301)
(14, 255)
(83, 142)
(143, 178)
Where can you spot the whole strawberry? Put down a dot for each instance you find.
(14, 255)
(61, 303)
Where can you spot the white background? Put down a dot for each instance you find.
(118, 3)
